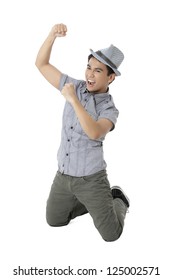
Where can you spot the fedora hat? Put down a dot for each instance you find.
(111, 56)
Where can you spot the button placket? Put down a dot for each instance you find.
(68, 144)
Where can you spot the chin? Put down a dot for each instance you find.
(91, 89)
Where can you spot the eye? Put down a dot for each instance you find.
(98, 70)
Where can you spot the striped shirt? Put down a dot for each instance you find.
(78, 155)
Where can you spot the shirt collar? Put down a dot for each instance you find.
(97, 95)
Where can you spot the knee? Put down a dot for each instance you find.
(112, 236)
(56, 223)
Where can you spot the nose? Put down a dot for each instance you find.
(92, 74)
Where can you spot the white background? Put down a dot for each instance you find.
(138, 153)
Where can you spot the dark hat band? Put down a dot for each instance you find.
(106, 59)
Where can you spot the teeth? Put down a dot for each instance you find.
(91, 82)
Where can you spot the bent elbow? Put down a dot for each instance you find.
(94, 136)
(37, 64)
(40, 63)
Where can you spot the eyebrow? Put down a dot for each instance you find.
(97, 68)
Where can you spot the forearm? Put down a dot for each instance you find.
(58, 30)
(88, 124)
(94, 129)
(44, 53)
(50, 72)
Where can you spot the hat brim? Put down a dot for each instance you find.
(104, 62)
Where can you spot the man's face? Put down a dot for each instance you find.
(96, 76)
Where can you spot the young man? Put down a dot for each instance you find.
(81, 185)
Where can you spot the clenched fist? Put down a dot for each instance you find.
(68, 91)
(59, 30)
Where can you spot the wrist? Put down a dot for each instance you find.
(51, 38)
(75, 101)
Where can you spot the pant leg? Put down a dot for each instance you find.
(62, 205)
(78, 210)
(108, 214)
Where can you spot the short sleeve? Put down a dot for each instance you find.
(67, 79)
(109, 111)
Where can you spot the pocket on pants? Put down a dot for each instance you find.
(97, 178)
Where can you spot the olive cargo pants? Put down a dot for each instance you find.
(74, 196)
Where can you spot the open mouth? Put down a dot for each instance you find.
(91, 83)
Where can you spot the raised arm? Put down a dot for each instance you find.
(51, 73)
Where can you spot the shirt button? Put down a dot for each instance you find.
(67, 155)
(71, 127)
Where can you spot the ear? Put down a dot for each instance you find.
(111, 78)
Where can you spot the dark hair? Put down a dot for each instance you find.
(110, 70)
